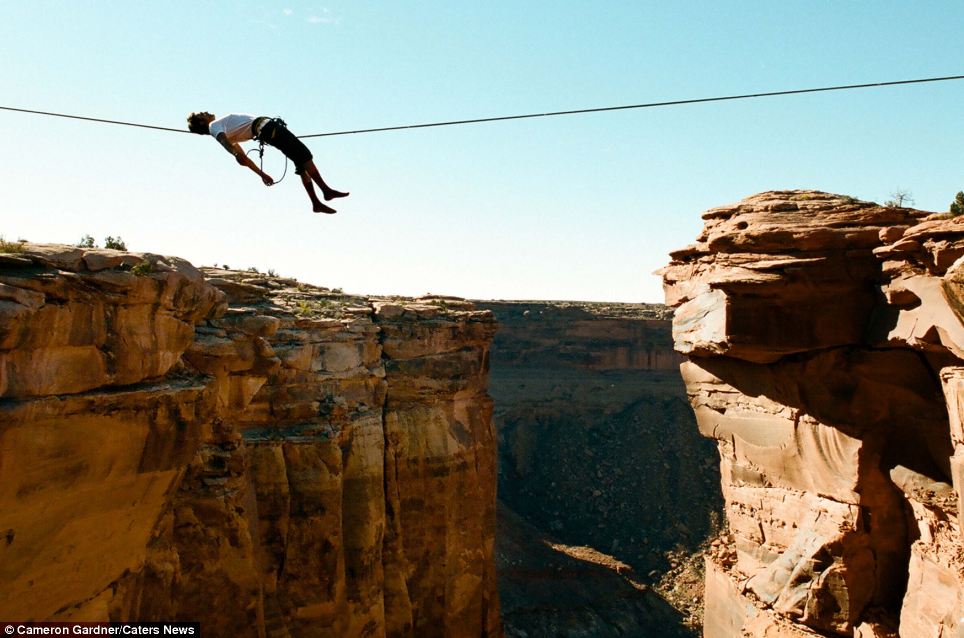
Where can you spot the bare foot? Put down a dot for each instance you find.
(331, 194)
(321, 208)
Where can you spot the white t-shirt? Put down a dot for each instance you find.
(235, 126)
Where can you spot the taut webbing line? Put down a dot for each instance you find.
(503, 118)
(642, 106)
(95, 119)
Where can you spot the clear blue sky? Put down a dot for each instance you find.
(582, 207)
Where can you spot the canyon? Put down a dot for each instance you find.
(597, 449)
(825, 357)
(273, 458)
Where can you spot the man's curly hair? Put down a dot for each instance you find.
(198, 122)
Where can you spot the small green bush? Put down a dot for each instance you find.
(142, 269)
(957, 206)
(10, 246)
(115, 243)
(86, 242)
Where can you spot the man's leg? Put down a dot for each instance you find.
(326, 190)
(316, 204)
(293, 148)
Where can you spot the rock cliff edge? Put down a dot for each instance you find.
(825, 351)
(265, 457)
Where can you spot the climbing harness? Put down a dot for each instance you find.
(280, 122)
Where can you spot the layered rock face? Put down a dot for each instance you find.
(597, 448)
(265, 457)
(584, 336)
(824, 344)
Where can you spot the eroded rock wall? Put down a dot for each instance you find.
(823, 337)
(584, 335)
(266, 457)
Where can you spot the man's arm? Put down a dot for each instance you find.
(241, 157)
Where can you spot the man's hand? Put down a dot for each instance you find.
(242, 158)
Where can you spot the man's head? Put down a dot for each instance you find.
(199, 122)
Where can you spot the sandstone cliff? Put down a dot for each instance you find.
(825, 342)
(266, 457)
(597, 450)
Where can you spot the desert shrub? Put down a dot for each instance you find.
(115, 243)
(10, 246)
(899, 198)
(142, 269)
(957, 206)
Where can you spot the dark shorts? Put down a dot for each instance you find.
(285, 141)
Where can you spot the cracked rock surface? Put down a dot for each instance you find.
(266, 457)
(824, 344)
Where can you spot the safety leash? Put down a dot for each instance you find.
(260, 150)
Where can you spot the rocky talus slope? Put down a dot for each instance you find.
(597, 449)
(266, 457)
(825, 352)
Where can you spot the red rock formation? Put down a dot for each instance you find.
(819, 330)
(296, 463)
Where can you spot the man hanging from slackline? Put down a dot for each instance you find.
(235, 128)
